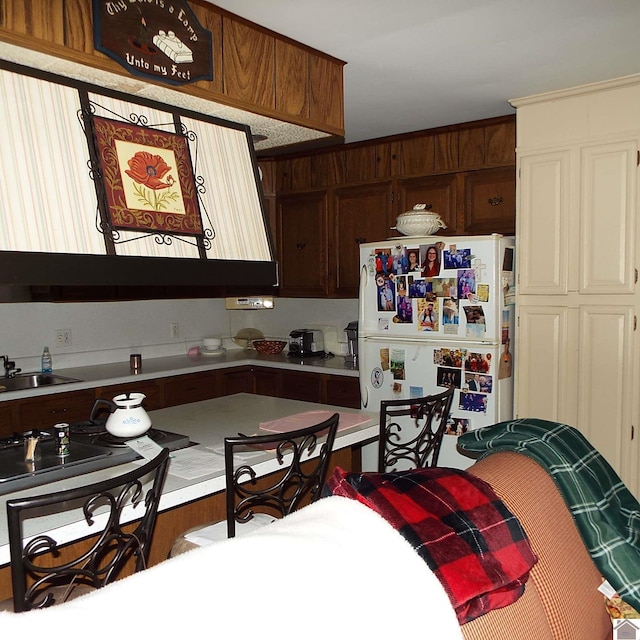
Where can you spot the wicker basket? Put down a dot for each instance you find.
(269, 346)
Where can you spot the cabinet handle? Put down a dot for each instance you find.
(428, 207)
(494, 202)
(301, 245)
(360, 240)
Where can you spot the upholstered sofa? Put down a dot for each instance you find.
(337, 569)
(560, 600)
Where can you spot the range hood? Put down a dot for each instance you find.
(61, 223)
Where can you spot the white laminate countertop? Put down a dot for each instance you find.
(207, 423)
(152, 368)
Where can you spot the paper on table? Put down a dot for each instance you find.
(193, 463)
(241, 455)
(309, 418)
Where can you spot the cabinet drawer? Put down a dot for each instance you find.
(191, 388)
(45, 411)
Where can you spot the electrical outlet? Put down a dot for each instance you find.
(174, 330)
(63, 337)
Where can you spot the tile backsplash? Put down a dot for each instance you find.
(103, 332)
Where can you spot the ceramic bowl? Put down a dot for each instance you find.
(212, 344)
(419, 223)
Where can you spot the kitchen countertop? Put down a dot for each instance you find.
(118, 372)
(207, 423)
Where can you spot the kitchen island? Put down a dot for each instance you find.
(188, 501)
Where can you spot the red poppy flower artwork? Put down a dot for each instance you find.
(147, 177)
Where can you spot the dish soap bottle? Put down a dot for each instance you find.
(47, 364)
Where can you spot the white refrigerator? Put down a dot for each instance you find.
(433, 312)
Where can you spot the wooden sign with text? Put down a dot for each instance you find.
(157, 39)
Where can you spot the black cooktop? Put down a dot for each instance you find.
(91, 448)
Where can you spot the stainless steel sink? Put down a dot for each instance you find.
(33, 381)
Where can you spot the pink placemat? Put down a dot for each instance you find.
(309, 418)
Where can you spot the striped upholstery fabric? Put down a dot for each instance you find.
(564, 578)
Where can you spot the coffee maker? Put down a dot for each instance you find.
(352, 341)
(306, 343)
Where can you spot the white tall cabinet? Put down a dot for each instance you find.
(577, 351)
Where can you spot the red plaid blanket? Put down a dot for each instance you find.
(458, 526)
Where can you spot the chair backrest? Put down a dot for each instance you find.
(39, 572)
(411, 431)
(281, 492)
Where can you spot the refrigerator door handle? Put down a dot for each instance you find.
(361, 296)
(364, 394)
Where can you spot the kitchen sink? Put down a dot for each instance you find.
(24, 381)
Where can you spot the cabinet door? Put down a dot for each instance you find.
(299, 385)
(361, 214)
(302, 239)
(8, 418)
(266, 382)
(607, 218)
(437, 192)
(342, 391)
(543, 224)
(490, 201)
(546, 341)
(239, 380)
(605, 390)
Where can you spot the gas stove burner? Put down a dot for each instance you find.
(87, 427)
(106, 439)
(17, 439)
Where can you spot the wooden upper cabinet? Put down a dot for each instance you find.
(500, 143)
(437, 192)
(416, 156)
(40, 20)
(326, 91)
(487, 145)
(253, 68)
(248, 64)
(78, 23)
(490, 201)
(302, 244)
(292, 79)
(213, 22)
(361, 214)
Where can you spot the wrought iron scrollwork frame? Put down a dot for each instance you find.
(103, 225)
(40, 581)
(415, 442)
(299, 475)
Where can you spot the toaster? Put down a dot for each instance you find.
(305, 343)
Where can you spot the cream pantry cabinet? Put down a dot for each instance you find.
(578, 302)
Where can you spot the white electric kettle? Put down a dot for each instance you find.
(127, 417)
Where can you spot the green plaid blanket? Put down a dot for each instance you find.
(606, 513)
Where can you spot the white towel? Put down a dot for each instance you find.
(334, 569)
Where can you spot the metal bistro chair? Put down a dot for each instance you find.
(411, 431)
(42, 575)
(252, 502)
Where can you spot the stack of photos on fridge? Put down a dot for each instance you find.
(429, 286)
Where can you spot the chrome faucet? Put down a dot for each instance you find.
(9, 367)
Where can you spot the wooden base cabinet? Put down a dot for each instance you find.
(577, 352)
